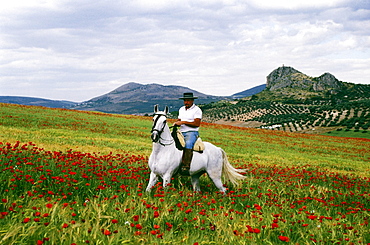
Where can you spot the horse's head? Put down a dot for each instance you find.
(159, 123)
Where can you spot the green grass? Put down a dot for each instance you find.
(365, 134)
(64, 129)
(61, 130)
(81, 180)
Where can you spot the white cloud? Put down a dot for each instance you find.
(296, 4)
(215, 46)
(16, 5)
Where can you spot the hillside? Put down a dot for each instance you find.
(135, 98)
(77, 177)
(295, 102)
(63, 130)
(36, 102)
(290, 85)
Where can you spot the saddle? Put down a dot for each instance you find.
(180, 141)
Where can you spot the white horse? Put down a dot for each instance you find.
(165, 158)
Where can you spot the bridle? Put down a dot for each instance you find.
(159, 132)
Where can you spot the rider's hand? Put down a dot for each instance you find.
(177, 123)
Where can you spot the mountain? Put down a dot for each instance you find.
(294, 101)
(288, 77)
(130, 98)
(249, 92)
(37, 102)
(286, 83)
(135, 98)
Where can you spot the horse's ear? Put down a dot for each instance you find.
(166, 110)
(155, 108)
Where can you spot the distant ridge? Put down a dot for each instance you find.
(249, 92)
(139, 99)
(143, 92)
(37, 102)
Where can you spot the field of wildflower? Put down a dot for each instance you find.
(70, 177)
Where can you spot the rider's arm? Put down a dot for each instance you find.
(194, 124)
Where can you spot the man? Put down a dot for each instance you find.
(189, 119)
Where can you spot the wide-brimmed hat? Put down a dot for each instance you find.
(188, 96)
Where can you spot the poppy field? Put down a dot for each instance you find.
(69, 177)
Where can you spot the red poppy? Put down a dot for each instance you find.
(169, 226)
(274, 225)
(256, 230)
(284, 238)
(312, 217)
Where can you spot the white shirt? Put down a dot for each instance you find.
(189, 115)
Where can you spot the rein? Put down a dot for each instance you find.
(161, 131)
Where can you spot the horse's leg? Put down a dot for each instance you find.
(166, 179)
(215, 176)
(152, 180)
(219, 184)
(195, 181)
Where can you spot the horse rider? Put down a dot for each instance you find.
(189, 119)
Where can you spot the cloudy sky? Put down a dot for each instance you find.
(79, 49)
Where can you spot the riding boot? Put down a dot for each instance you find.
(187, 156)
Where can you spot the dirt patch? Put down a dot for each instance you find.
(256, 124)
(249, 124)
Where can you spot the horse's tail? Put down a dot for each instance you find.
(232, 174)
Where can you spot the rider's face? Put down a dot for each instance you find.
(188, 103)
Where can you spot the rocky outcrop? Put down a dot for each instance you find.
(327, 82)
(288, 77)
(280, 77)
